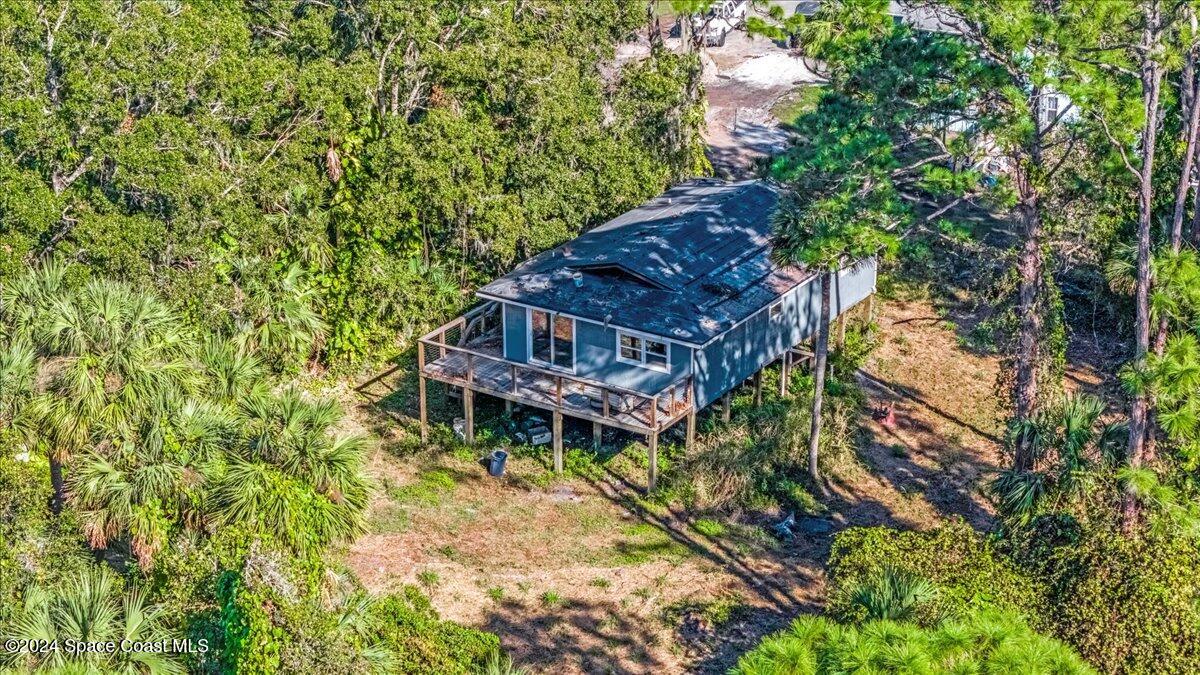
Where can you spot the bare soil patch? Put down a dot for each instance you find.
(744, 80)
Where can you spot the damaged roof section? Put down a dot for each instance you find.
(687, 265)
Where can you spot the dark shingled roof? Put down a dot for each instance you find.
(687, 265)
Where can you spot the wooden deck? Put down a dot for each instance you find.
(466, 353)
(571, 395)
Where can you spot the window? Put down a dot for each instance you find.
(631, 347)
(776, 310)
(552, 339)
(564, 342)
(656, 354)
(642, 351)
(1051, 109)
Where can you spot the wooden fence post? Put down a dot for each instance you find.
(784, 368)
(424, 411)
(421, 391)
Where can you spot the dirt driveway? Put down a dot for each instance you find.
(743, 80)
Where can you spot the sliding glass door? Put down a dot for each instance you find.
(552, 339)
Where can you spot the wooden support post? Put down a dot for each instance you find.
(424, 410)
(691, 430)
(652, 472)
(556, 433)
(508, 406)
(758, 388)
(841, 330)
(469, 414)
(871, 308)
(512, 375)
(784, 366)
(421, 390)
(726, 407)
(597, 435)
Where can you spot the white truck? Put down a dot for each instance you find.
(722, 18)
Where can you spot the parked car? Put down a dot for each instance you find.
(721, 19)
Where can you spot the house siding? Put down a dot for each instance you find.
(596, 357)
(851, 286)
(728, 360)
(723, 363)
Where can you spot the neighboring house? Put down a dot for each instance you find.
(644, 320)
(931, 18)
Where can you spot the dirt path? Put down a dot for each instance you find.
(580, 575)
(743, 80)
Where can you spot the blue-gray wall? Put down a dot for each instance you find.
(720, 365)
(596, 354)
(596, 357)
(729, 359)
(851, 286)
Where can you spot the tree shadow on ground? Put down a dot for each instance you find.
(598, 637)
(949, 479)
(779, 584)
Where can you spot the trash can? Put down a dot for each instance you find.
(496, 462)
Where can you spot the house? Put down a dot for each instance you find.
(644, 320)
(930, 17)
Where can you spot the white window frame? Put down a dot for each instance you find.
(574, 340)
(1051, 109)
(641, 361)
(775, 310)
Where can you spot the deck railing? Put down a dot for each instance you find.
(443, 354)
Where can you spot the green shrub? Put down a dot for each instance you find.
(979, 642)
(860, 341)
(421, 642)
(893, 594)
(1128, 605)
(759, 461)
(708, 527)
(969, 573)
(35, 547)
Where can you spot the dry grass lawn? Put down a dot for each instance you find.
(580, 575)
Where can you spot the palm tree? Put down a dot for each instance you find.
(117, 356)
(25, 300)
(1068, 444)
(233, 372)
(89, 609)
(144, 486)
(891, 594)
(18, 368)
(291, 477)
